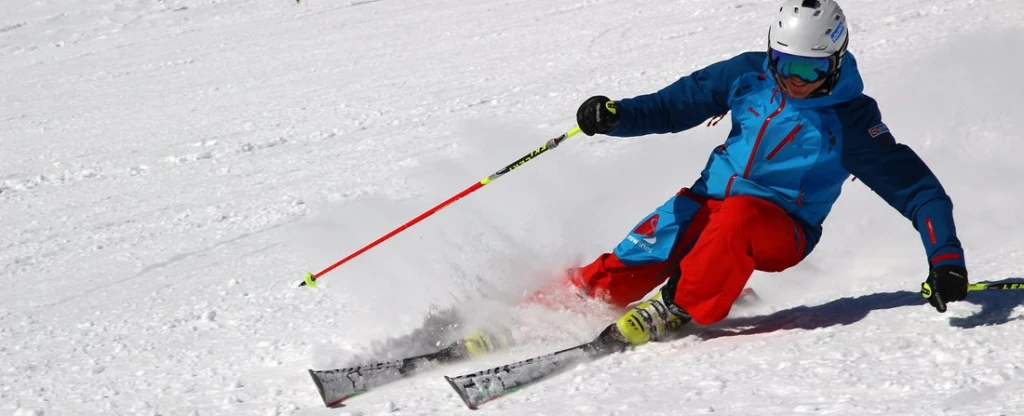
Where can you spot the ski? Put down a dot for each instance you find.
(336, 386)
(478, 388)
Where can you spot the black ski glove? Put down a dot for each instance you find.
(597, 115)
(945, 284)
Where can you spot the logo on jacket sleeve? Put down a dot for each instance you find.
(878, 130)
(647, 229)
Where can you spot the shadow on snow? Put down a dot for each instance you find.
(996, 308)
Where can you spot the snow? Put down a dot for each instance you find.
(169, 169)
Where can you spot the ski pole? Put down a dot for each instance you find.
(311, 278)
(977, 287)
(926, 289)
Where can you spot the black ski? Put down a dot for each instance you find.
(336, 386)
(483, 386)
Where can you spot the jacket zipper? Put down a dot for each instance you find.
(785, 141)
(760, 135)
(728, 187)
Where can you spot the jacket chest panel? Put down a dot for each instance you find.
(773, 131)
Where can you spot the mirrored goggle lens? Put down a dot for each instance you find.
(807, 69)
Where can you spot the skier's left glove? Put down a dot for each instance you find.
(945, 284)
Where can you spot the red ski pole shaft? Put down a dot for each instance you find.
(311, 278)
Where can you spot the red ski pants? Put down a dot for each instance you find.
(723, 244)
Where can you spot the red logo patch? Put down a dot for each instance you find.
(647, 228)
(878, 130)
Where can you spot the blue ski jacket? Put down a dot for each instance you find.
(797, 153)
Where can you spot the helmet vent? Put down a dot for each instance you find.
(813, 4)
(817, 13)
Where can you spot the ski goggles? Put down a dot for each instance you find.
(807, 69)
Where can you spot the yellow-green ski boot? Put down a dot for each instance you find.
(651, 320)
(479, 343)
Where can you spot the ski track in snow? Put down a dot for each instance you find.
(170, 168)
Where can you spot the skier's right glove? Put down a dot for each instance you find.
(945, 284)
(597, 115)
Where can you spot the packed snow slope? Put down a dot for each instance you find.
(169, 169)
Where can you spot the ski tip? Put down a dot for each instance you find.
(461, 393)
(323, 394)
(319, 387)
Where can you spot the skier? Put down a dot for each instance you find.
(801, 126)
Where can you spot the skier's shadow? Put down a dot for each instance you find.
(996, 308)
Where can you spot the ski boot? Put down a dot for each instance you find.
(651, 320)
(480, 343)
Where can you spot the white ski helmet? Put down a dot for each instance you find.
(813, 29)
